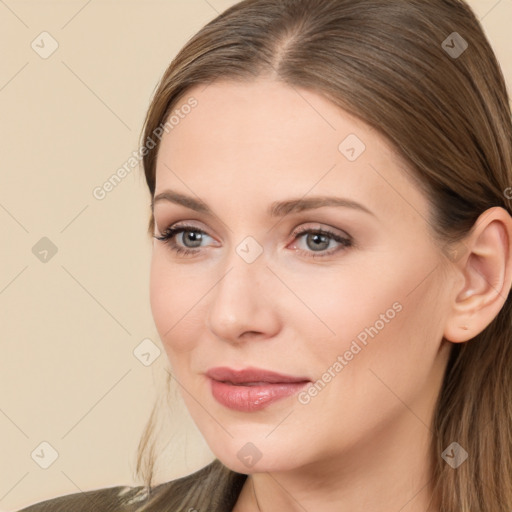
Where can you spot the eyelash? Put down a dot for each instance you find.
(168, 235)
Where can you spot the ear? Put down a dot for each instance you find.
(483, 275)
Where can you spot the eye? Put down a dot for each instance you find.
(319, 240)
(168, 237)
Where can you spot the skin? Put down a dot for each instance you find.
(363, 442)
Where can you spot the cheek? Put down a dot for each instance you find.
(171, 300)
(346, 305)
(158, 295)
(389, 321)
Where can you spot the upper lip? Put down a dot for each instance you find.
(247, 375)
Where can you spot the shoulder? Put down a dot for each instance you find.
(119, 499)
(214, 484)
(214, 488)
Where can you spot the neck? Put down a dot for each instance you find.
(376, 475)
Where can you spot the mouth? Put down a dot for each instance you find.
(251, 376)
(252, 389)
(262, 383)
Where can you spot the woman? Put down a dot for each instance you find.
(330, 206)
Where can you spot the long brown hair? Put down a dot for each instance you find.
(423, 74)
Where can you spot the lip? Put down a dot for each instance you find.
(252, 389)
(251, 374)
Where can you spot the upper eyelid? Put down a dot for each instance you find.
(319, 227)
(300, 231)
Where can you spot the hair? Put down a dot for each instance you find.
(448, 117)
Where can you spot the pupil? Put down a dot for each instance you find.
(193, 237)
(318, 237)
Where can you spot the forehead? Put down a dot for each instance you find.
(265, 137)
(265, 112)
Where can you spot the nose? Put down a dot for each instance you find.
(244, 304)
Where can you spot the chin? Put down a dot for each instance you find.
(246, 456)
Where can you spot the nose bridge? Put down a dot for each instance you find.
(239, 303)
(245, 269)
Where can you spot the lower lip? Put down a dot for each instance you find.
(252, 398)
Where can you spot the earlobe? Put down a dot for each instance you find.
(485, 271)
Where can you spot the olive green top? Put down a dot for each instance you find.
(214, 484)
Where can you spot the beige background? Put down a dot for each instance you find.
(69, 326)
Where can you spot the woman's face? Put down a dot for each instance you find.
(359, 312)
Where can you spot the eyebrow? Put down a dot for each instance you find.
(276, 209)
